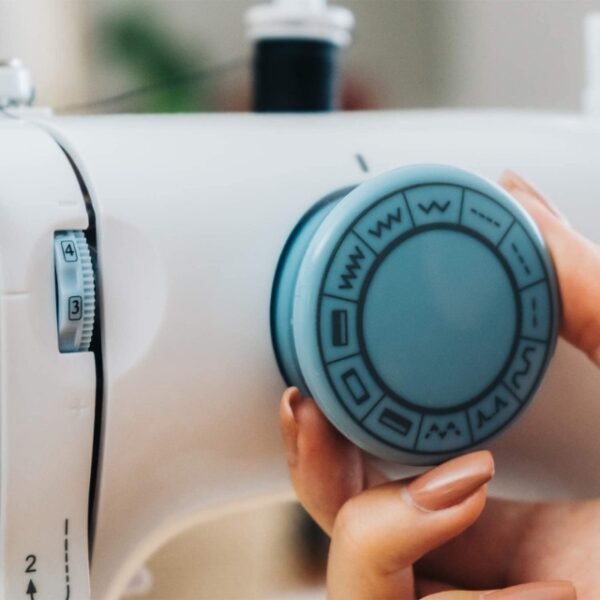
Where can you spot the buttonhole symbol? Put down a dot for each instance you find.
(399, 423)
(355, 386)
(339, 328)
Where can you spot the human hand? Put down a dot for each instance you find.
(435, 534)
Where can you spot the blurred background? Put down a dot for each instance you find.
(87, 56)
(406, 53)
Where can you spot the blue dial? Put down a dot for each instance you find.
(420, 310)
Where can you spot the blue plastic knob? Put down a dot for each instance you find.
(420, 310)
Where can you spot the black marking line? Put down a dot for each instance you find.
(387, 224)
(462, 205)
(395, 421)
(362, 163)
(518, 375)
(470, 428)
(521, 258)
(336, 360)
(485, 217)
(483, 418)
(434, 205)
(351, 268)
(528, 338)
(354, 232)
(443, 432)
(512, 393)
(412, 219)
(506, 233)
(364, 418)
(326, 294)
(526, 287)
(355, 386)
(67, 576)
(339, 327)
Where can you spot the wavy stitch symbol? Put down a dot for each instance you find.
(499, 406)
(518, 375)
(442, 433)
(390, 218)
(354, 265)
(435, 206)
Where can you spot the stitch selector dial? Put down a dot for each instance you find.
(420, 311)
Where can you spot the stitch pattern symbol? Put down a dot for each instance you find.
(499, 406)
(351, 268)
(518, 375)
(486, 218)
(442, 433)
(521, 258)
(397, 422)
(534, 311)
(434, 206)
(67, 576)
(390, 218)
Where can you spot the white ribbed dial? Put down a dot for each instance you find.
(75, 291)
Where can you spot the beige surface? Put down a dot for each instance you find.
(259, 554)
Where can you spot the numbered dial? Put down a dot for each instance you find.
(420, 311)
(75, 291)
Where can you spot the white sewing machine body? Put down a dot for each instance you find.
(191, 215)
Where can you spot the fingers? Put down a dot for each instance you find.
(326, 469)
(577, 262)
(483, 556)
(380, 533)
(554, 590)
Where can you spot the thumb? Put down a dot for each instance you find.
(378, 534)
(577, 262)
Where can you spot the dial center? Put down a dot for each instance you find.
(439, 318)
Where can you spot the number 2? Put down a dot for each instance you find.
(31, 560)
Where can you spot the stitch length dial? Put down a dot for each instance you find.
(419, 310)
(407, 385)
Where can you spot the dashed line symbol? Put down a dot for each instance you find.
(362, 163)
(534, 312)
(486, 218)
(435, 206)
(443, 432)
(351, 268)
(67, 576)
(518, 375)
(499, 406)
(390, 218)
(520, 257)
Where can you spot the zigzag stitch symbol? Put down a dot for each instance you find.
(387, 224)
(442, 433)
(518, 375)
(351, 268)
(482, 418)
(434, 205)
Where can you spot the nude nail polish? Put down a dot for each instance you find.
(289, 423)
(552, 590)
(452, 482)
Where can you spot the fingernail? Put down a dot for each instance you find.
(452, 482)
(289, 422)
(552, 590)
(514, 182)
